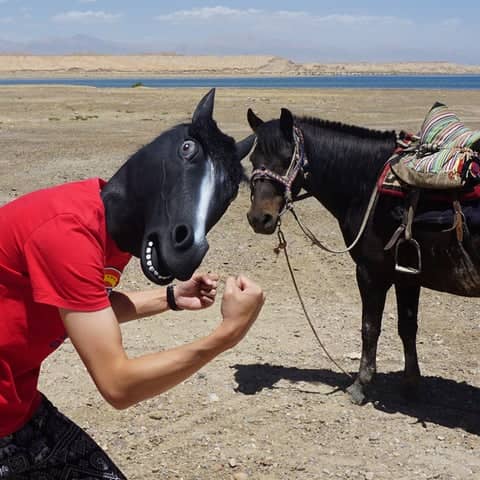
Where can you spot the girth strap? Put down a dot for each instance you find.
(458, 220)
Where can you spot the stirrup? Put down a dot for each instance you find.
(406, 269)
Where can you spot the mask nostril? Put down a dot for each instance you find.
(182, 236)
(181, 233)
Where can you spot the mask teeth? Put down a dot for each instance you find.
(151, 268)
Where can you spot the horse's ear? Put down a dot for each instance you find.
(205, 107)
(244, 146)
(286, 124)
(253, 120)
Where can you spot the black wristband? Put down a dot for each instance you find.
(171, 299)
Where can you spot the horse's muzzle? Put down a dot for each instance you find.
(262, 222)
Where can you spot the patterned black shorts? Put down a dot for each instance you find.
(51, 447)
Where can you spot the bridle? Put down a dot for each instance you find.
(298, 163)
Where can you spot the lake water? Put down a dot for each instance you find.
(461, 82)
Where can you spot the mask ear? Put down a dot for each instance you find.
(204, 109)
(244, 146)
(253, 120)
(286, 124)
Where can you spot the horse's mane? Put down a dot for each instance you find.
(271, 140)
(357, 150)
(353, 130)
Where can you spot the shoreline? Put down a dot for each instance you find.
(405, 82)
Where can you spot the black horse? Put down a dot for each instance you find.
(162, 202)
(344, 163)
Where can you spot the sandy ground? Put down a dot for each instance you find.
(272, 408)
(204, 65)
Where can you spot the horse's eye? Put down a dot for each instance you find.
(189, 149)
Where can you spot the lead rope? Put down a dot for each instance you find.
(282, 245)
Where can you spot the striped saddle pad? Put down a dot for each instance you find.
(389, 184)
(443, 158)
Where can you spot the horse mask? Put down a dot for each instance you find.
(162, 202)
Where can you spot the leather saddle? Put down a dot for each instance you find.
(441, 159)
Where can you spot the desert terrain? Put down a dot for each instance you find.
(39, 66)
(274, 407)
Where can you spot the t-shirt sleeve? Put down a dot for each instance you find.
(65, 262)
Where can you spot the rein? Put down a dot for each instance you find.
(315, 241)
(299, 163)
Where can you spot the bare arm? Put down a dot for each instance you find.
(133, 305)
(125, 381)
(197, 293)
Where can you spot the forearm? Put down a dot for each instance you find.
(133, 305)
(134, 380)
(123, 381)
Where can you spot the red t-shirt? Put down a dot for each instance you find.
(54, 252)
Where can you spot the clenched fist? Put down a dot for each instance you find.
(241, 304)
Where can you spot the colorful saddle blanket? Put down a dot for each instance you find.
(443, 157)
(390, 184)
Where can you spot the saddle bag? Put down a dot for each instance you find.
(433, 167)
(441, 159)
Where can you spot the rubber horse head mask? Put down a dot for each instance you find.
(162, 202)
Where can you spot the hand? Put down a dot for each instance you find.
(241, 304)
(197, 293)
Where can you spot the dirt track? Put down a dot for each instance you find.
(271, 409)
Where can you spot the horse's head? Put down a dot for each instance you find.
(168, 195)
(272, 154)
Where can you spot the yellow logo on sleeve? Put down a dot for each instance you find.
(111, 277)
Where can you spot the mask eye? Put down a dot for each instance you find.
(188, 149)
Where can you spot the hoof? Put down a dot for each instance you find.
(357, 396)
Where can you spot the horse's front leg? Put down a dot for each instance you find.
(407, 306)
(373, 290)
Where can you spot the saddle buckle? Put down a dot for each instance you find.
(412, 270)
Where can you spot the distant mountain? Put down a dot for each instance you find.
(77, 44)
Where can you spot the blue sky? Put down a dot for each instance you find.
(302, 30)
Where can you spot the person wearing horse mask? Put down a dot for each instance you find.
(62, 251)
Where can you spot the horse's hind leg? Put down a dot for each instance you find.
(373, 291)
(407, 305)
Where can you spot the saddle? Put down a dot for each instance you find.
(440, 161)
